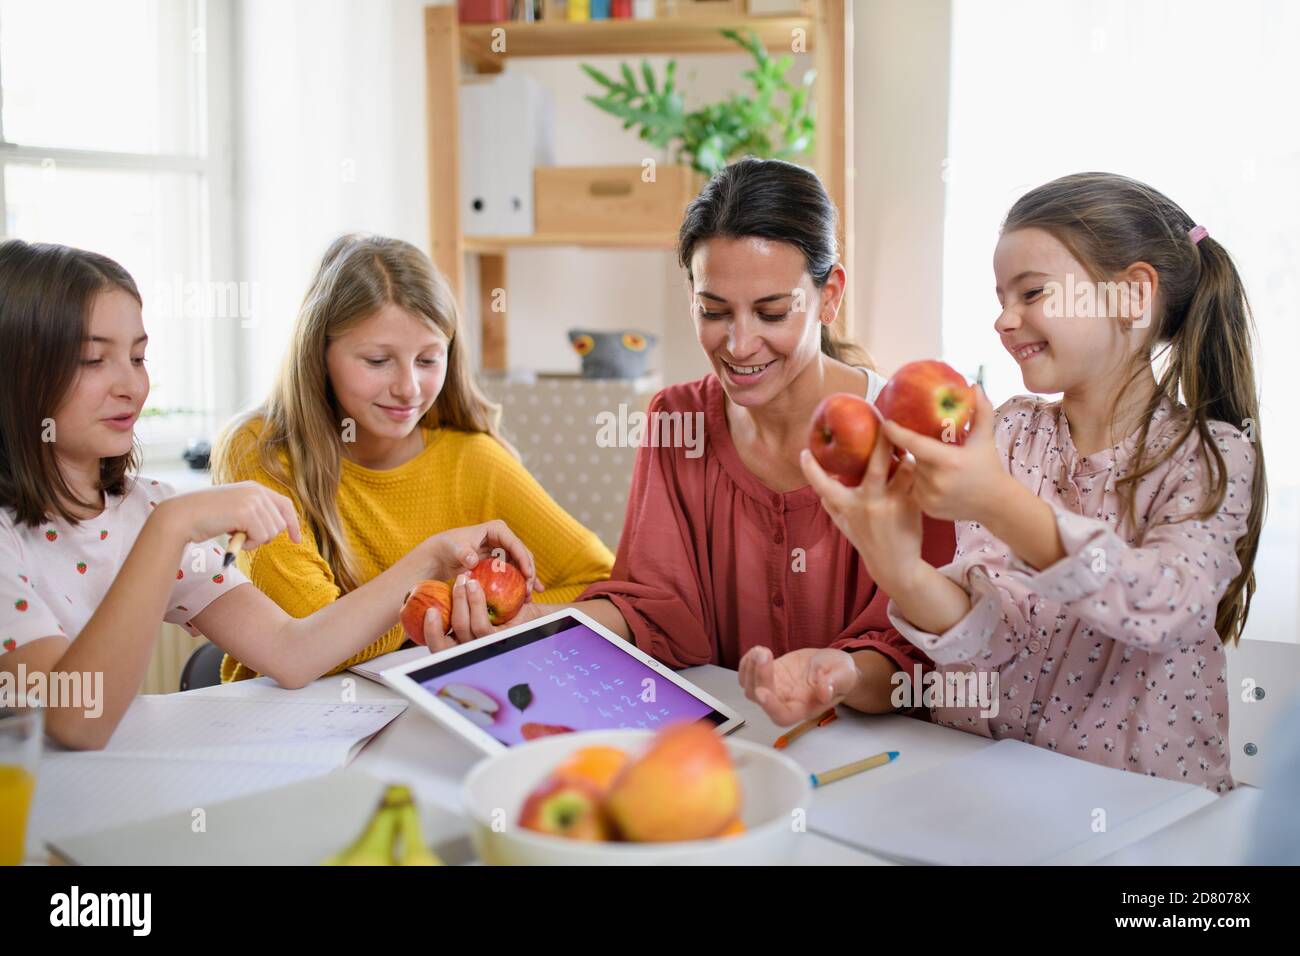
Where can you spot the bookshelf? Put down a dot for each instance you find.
(451, 46)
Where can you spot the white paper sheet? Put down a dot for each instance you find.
(1008, 804)
(323, 733)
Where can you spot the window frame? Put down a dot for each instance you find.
(213, 164)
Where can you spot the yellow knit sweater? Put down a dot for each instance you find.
(461, 478)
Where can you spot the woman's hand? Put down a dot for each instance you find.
(469, 616)
(461, 549)
(879, 517)
(798, 685)
(954, 482)
(246, 506)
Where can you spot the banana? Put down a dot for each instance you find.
(394, 820)
(414, 850)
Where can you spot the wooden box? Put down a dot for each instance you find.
(611, 199)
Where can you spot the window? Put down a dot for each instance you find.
(1183, 95)
(112, 139)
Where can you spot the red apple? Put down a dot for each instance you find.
(567, 808)
(683, 788)
(844, 428)
(504, 588)
(929, 398)
(423, 596)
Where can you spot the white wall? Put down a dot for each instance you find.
(900, 137)
(330, 137)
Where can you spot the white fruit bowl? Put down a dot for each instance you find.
(772, 787)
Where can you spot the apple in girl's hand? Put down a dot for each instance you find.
(504, 588)
(929, 398)
(568, 808)
(423, 596)
(844, 428)
(683, 788)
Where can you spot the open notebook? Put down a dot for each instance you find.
(1006, 804)
(178, 752)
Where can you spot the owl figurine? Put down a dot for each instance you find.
(624, 354)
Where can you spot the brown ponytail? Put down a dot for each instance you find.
(1203, 335)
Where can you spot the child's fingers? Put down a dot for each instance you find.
(926, 450)
(878, 464)
(479, 623)
(262, 524)
(498, 534)
(460, 608)
(435, 638)
(289, 515)
(904, 478)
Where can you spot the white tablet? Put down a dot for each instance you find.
(556, 674)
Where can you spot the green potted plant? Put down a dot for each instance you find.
(773, 121)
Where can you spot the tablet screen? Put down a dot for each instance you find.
(557, 678)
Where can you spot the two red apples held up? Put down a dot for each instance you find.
(927, 397)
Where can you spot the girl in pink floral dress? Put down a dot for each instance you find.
(1105, 541)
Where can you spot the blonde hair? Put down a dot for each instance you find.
(300, 442)
(1203, 335)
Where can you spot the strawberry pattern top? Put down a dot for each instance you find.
(53, 576)
(1110, 654)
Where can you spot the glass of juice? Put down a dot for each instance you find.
(21, 736)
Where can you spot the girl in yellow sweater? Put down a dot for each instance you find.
(377, 433)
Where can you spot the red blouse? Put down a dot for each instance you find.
(712, 562)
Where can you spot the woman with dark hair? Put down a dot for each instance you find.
(726, 556)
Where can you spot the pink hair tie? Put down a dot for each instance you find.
(1197, 233)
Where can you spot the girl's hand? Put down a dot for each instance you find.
(957, 482)
(469, 617)
(246, 506)
(461, 549)
(798, 685)
(879, 517)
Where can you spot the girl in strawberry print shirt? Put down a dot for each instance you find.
(94, 558)
(1105, 542)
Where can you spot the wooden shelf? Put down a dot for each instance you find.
(626, 37)
(825, 30)
(621, 240)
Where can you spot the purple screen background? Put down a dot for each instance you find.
(578, 680)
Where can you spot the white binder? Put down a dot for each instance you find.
(505, 132)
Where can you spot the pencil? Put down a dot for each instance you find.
(849, 769)
(233, 548)
(821, 720)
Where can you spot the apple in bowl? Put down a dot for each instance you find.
(768, 787)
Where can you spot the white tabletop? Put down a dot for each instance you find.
(417, 750)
